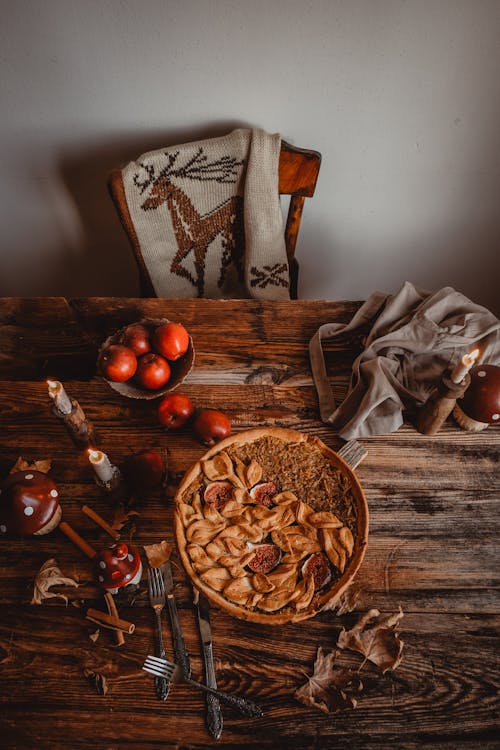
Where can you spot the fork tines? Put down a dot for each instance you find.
(159, 667)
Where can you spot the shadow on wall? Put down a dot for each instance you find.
(105, 265)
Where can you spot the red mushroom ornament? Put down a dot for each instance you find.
(118, 566)
(480, 405)
(29, 504)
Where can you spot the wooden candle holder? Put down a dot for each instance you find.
(440, 404)
(80, 429)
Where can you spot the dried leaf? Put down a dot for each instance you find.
(158, 554)
(329, 689)
(123, 517)
(97, 680)
(346, 602)
(375, 637)
(50, 575)
(95, 635)
(22, 465)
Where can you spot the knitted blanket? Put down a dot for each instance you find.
(208, 218)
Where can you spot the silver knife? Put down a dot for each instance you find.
(180, 651)
(214, 714)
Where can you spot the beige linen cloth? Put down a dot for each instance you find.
(415, 336)
(208, 218)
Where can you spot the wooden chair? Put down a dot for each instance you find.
(298, 173)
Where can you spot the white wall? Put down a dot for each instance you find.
(401, 98)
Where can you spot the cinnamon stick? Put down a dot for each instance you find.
(99, 520)
(77, 539)
(108, 621)
(111, 607)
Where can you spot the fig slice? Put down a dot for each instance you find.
(263, 493)
(218, 493)
(317, 565)
(266, 557)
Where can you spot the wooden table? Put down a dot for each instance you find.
(433, 547)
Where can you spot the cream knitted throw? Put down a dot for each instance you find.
(208, 218)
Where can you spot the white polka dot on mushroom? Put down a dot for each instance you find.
(3, 529)
(28, 476)
(28, 511)
(101, 579)
(54, 493)
(127, 576)
(102, 564)
(481, 374)
(130, 557)
(496, 416)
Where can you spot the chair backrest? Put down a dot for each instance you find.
(297, 175)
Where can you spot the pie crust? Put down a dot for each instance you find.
(318, 509)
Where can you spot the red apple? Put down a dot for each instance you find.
(175, 410)
(171, 340)
(136, 337)
(211, 425)
(153, 371)
(118, 363)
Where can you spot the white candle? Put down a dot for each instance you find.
(59, 396)
(462, 368)
(104, 469)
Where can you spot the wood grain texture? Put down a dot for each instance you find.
(433, 547)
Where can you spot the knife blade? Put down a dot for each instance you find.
(180, 650)
(214, 713)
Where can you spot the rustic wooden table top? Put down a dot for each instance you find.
(433, 547)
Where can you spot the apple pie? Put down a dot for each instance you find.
(271, 525)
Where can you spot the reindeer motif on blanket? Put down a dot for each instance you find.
(193, 231)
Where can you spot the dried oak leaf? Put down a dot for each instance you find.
(97, 680)
(375, 637)
(158, 554)
(22, 465)
(50, 575)
(329, 689)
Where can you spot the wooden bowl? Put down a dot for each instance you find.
(265, 444)
(180, 369)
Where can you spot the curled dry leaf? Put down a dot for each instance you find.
(22, 465)
(346, 602)
(50, 575)
(123, 518)
(329, 689)
(95, 635)
(375, 637)
(158, 554)
(97, 680)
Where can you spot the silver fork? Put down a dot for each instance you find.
(161, 667)
(156, 590)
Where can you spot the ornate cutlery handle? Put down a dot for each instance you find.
(245, 706)
(180, 651)
(214, 715)
(161, 683)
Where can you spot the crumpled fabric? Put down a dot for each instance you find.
(415, 336)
